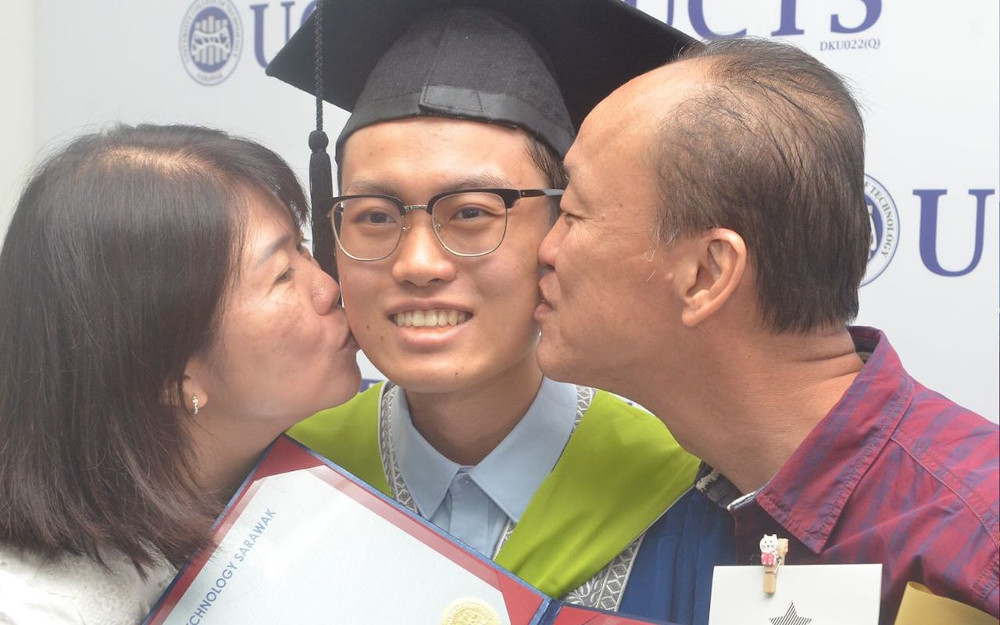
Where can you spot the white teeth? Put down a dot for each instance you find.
(430, 318)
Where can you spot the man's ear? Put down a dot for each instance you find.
(715, 268)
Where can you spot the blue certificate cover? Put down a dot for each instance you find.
(303, 541)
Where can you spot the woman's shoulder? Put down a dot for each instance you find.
(76, 589)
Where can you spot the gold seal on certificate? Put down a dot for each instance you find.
(470, 612)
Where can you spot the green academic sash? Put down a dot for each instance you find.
(619, 472)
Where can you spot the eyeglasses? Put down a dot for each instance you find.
(467, 223)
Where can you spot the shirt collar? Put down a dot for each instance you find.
(510, 474)
(426, 472)
(809, 492)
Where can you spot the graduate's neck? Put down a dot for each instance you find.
(466, 424)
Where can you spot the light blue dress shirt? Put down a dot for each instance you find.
(474, 503)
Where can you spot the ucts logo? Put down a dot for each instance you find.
(933, 210)
(884, 221)
(211, 33)
(211, 39)
(850, 18)
(964, 221)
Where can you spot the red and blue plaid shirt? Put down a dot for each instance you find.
(894, 474)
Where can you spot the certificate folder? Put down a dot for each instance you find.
(303, 541)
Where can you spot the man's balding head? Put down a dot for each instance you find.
(763, 139)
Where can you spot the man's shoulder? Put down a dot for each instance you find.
(954, 447)
(946, 450)
(936, 431)
(936, 486)
(931, 413)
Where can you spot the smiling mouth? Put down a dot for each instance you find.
(437, 318)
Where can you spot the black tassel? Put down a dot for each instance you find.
(321, 196)
(320, 172)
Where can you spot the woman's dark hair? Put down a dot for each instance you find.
(113, 274)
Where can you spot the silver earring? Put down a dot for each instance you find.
(194, 404)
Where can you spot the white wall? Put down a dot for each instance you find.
(17, 35)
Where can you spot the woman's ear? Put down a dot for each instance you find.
(194, 391)
(717, 267)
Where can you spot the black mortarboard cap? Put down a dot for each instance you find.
(540, 65)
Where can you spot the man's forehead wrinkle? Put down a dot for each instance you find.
(576, 166)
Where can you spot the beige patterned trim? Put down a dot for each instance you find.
(605, 590)
(508, 529)
(389, 465)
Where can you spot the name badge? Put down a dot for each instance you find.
(827, 594)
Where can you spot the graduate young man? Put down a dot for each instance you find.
(714, 235)
(449, 174)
